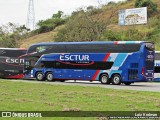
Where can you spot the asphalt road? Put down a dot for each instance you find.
(145, 86)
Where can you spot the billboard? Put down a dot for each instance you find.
(133, 16)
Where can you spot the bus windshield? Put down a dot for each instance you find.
(149, 46)
(149, 56)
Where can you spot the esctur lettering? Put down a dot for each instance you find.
(74, 57)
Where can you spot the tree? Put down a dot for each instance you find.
(58, 15)
(152, 7)
(51, 23)
(11, 34)
(84, 26)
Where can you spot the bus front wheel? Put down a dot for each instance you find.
(49, 76)
(39, 76)
(116, 79)
(104, 79)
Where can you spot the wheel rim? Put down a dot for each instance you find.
(104, 79)
(116, 80)
(49, 77)
(40, 76)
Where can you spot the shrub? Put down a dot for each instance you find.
(52, 23)
(112, 35)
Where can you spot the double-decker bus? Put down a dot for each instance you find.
(10, 65)
(108, 62)
(157, 66)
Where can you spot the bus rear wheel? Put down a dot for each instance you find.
(104, 79)
(39, 76)
(49, 76)
(116, 79)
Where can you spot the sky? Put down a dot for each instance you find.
(15, 11)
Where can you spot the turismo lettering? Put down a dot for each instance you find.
(74, 57)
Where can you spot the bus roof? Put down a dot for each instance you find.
(92, 42)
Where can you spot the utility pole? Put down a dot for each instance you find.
(30, 15)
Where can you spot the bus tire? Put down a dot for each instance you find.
(104, 79)
(116, 79)
(127, 83)
(49, 76)
(39, 76)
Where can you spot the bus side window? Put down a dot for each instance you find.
(59, 65)
(42, 65)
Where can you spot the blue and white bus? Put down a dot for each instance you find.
(157, 67)
(108, 62)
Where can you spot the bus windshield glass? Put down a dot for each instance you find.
(149, 46)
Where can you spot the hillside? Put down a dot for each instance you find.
(43, 37)
(108, 13)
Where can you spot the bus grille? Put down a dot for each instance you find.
(132, 74)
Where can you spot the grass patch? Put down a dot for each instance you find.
(21, 96)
